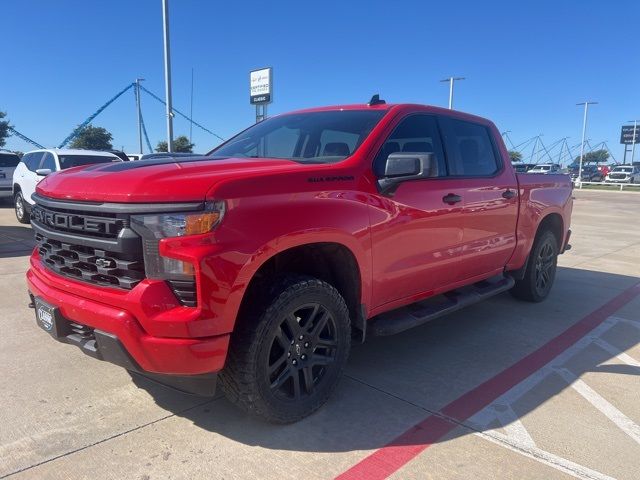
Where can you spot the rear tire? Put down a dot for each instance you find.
(20, 208)
(285, 360)
(541, 269)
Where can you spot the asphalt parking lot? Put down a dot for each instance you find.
(503, 389)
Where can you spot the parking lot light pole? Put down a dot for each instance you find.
(451, 81)
(167, 74)
(584, 131)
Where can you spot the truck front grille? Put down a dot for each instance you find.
(92, 265)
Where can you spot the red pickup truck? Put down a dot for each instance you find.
(259, 264)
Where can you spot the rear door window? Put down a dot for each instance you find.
(9, 160)
(470, 150)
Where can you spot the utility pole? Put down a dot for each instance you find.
(167, 74)
(138, 105)
(451, 80)
(584, 131)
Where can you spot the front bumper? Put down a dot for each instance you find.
(148, 352)
(618, 180)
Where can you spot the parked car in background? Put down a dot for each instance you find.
(36, 165)
(134, 156)
(591, 173)
(120, 154)
(597, 172)
(624, 174)
(8, 163)
(523, 167)
(545, 168)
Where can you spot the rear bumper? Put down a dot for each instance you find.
(123, 335)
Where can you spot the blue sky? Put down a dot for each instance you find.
(526, 64)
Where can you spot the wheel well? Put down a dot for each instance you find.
(331, 262)
(553, 223)
(16, 188)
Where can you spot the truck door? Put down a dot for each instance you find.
(416, 235)
(489, 192)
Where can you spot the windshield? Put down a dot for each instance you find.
(68, 161)
(312, 137)
(623, 169)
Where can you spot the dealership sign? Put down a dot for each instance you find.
(261, 86)
(626, 136)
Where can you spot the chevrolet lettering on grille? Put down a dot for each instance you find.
(69, 221)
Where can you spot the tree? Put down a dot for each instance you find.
(515, 155)
(4, 129)
(597, 156)
(93, 138)
(180, 144)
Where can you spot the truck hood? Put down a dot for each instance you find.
(163, 180)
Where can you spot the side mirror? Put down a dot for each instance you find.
(405, 166)
(43, 172)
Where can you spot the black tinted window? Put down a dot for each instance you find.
(9, 160)
(414, 134)
(470, 152)
(68, 161)
(32, 160)
(304, 137)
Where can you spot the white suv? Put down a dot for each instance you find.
(624, 174)
(37, 164)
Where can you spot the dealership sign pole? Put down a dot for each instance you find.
(261, 91)
(629, 136)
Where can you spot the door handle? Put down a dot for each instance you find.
(508, 194)
(451, 198)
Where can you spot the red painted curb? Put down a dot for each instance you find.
(400, 451)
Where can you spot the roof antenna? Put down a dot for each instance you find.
(375, 100)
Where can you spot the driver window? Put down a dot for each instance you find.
(414, 134)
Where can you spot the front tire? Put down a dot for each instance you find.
(541, 269)
(20, 208)
(284, 364)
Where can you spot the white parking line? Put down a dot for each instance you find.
(554, 461)
(619, 354)
(623, 422)
(518, 439)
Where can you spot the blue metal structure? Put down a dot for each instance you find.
(79, 128)
(23, 137)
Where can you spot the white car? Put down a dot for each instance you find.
(37, 164)
(624, 174)
(545, 168)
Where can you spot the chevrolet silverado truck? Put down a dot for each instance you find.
(259, 264)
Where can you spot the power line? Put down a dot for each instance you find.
(182, 114)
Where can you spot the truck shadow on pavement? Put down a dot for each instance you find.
(393, 383)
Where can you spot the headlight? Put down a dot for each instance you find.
(154, 227)
(180, 224)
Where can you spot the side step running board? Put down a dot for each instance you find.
(419, 313)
